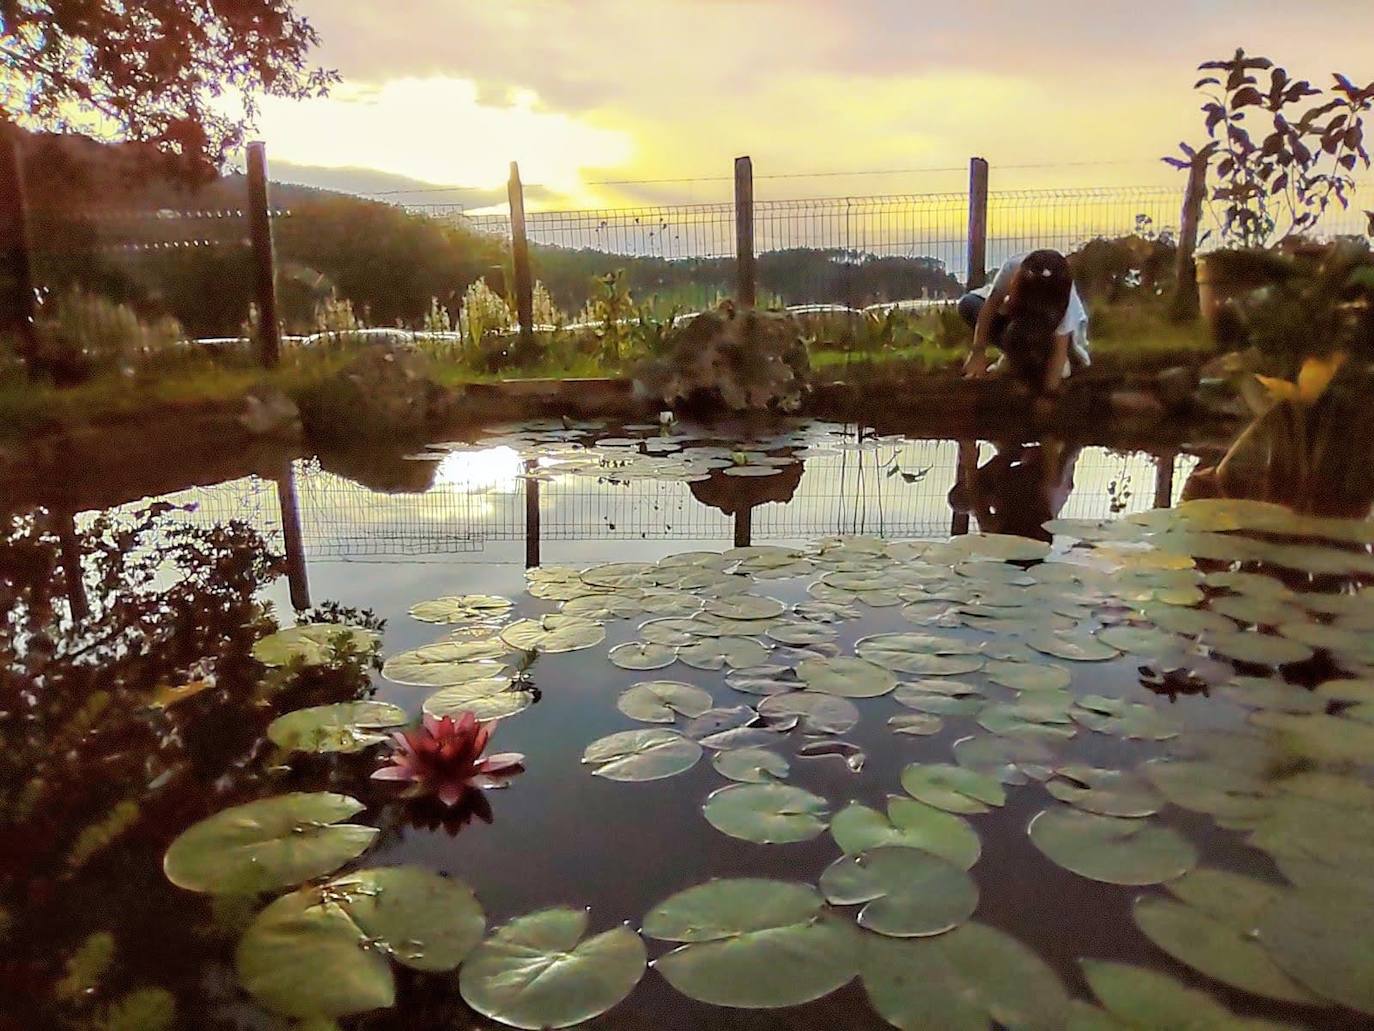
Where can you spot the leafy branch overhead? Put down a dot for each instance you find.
(166, 72)
(1283, 148)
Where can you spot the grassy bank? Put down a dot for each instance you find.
(1124, 337)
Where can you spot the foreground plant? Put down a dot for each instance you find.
(443, 758)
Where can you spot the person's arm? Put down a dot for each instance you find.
(1059, 355)
(977, 364)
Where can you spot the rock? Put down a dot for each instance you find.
(1136, 405)
(393, 384)
(1175, 388)
(270, 413)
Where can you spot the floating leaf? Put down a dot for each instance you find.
(752, 943)
(905, 892)
(343, 727)
(939, 704)
(1123, 718)
(750, 765)
(1106, 848)
(1325, 943)
(1264, 693)
(721, 718)
(908, 824)
(325, 951)
(617, 576)
(952, 788)
(540, 971)
(460, 608)
(717, 653)
(313, 644)
(846, 677)
(967, 980)
(766, 813)
(1022, 676)
(272, 843)
(1012, 760)
(485, 699)
(1220, 951)
(1143, 998)
(640, 655)
(662, 701)
(1233, 899)
(448, 662)
(1192, 622)
(801, 633)
(818, 713)
(745, 607)
(1075, 647)
(1322, 737)
(920, 654)
(1257, 648)
(639, 755)
(1107, 792)
(1139, 640)
(553, 633)
(1265, 610)
(916, 723)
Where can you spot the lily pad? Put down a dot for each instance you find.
(1012, 760)
(953, 788)
(617, 576)
(905, 892)
(1220, 951)
(1143, 998)
(1106, 792)
(751, 765)
(1023, 676)
(846, 677)
(720, 652)
(1257, 648)
(463, 608)
(752, 943)
(448, 662)
(919, 724)
(641, 655)
(1124, 719)
(801, 633)
(1074, 647)
(970, 979)
(486, 699)
(1110, 849)
(766, 813)
(817, 713)
(1139, 640)
(541, 971)
(1325, 943)
(640, 755)
(746, 607)
(314, 644)
(553, 633)
(907, 824)
(343, 727)
(272, 843)
(662, 701)
(325, 951)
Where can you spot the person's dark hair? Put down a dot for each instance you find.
(1028, 341)
(1042, 286)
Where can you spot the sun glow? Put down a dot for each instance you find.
(439, 130)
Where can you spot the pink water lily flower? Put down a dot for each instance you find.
(443, 757)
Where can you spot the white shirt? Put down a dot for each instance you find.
(1074, 322)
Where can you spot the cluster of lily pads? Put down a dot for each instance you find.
(1223, 594)
(650, 451)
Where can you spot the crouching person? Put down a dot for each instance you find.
(1032, 313)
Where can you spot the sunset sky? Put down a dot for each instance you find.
(447, 92)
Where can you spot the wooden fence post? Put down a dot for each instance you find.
(1164, 479)
(533, 532)
(264, 263)
(745, 289)
(520, 257)
(977, 223)
(297, 572)
(1184, 304)
(18, 312)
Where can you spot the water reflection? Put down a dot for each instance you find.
(1019, 489)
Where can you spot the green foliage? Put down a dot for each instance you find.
(146, 1009)
(81, 334)
(86, 967)
(159, 80)
(99, 835)
(484, 312)
(1281, 185)
(1140, 264)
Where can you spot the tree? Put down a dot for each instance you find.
(156, 71)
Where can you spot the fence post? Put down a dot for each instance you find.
(264, 264)
(1164, 479)
(533, 531)
(17, 312)
(297, 572)
(977, 223)
(1184, 304)
(520, 258)
(745, 293)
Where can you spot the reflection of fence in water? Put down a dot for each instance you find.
(895, 491)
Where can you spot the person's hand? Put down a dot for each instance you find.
(976, 365)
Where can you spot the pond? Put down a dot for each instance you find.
(820, 728)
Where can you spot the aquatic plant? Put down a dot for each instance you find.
(443, 758)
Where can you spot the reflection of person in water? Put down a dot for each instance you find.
(1018, 490)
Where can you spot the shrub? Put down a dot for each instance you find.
(81, 334)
